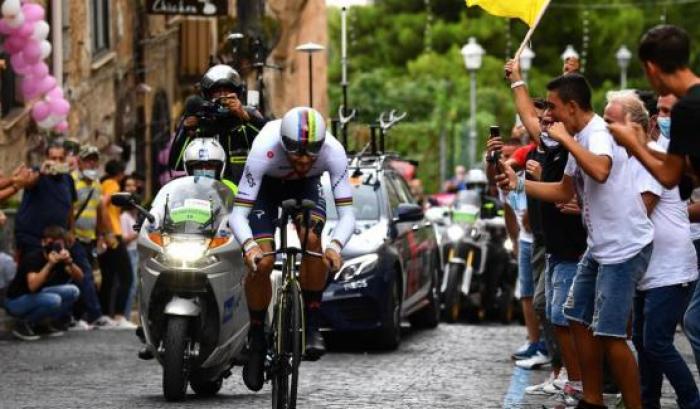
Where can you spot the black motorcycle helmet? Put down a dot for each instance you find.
(221, 75)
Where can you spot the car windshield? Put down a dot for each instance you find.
(365, 200)
(193, 205)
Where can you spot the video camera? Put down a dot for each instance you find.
(214, 118)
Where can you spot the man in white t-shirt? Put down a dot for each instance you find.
(665, 289)
(619, 237)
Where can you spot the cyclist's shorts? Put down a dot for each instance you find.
(266, 211)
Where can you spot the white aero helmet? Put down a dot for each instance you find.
(205, 157)
(476, 176)
(303, 131)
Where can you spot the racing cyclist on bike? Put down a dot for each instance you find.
(286, 161)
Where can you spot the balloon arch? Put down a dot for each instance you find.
(25, 31)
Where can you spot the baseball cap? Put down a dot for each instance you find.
(88, 150)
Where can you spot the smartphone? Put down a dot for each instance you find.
(495, 157)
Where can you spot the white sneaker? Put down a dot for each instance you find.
(537, 360)
(123, 323)
(539, 389)
(561, 381)
(104, 322)
(80, 325)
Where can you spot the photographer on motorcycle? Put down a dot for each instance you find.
(219, 112)
(286, 162)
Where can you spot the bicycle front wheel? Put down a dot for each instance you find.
(289, 334)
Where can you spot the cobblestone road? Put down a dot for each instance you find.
(454, 366)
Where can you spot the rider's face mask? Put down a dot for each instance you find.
(207, 173)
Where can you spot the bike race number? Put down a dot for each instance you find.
(193, 210)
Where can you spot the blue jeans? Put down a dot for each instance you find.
(691, 320)
(82, 254)
(657, 312)
(527, 282)
(134, 260)
(51, 302)
(558, 279)
(602, 295)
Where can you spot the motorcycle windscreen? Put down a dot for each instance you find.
(193, 205)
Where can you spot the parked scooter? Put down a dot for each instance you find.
(192, 303)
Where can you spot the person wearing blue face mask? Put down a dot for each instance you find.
(663, 120)
(205, 157)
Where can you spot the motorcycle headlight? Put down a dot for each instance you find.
(356, 267)
(189, 252)
(455, 232)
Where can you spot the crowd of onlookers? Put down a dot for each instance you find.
(607, 236)
(75, 258)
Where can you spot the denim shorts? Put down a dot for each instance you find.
(559, 277)
(602, 295)
(527, 283)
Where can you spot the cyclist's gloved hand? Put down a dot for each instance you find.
(253, 254)
(332, 258)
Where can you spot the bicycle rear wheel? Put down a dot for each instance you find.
(289, 333)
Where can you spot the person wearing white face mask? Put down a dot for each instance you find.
(91, 230)
(205, 157)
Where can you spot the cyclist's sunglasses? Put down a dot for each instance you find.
(297, 148)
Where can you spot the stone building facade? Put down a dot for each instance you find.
(126, 74)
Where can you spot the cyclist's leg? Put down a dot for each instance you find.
(313, 274)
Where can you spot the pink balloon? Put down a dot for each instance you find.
(39, 70)
(18, 64)
(40, 111)
(26, 29)
(15, 44)
(55, 93)
(59, 106)
(5, 29)
(62, 127)
(29, 88)
(32, 52)
(33, 12)
(46, 84)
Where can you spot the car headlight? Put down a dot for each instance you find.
(356, 267)
(455, 232)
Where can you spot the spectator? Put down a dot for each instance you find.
(665, 289)
(563, 235)
(8, 267)
(114, 262)
(665, 55)
(458, 181)
(52, 184)
(19, 178)
(91, 230)
(128, 219)
(42, 288)
(663, 120)
(619, 238)
(572, 65)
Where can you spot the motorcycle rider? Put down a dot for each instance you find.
(221, 91)
(287, 161)
(203, 157)
(490, 206)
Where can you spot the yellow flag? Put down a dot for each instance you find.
(526, 10)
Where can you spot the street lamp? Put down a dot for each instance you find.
(526, 57)
(624, 56)
(472, 53)
(310, 48)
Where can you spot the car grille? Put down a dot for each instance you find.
(357, 309)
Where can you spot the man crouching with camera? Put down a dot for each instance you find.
(43, 292)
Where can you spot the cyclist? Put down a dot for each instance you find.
(287, 161)
(235, 124)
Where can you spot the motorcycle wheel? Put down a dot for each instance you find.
(289, 333)
(389, 335)
(174, 370)
(206, 388)
(453, 293)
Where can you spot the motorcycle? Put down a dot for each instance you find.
(192, 302)
(479, 271)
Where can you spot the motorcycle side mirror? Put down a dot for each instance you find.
(128, 201)
(408, 212)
